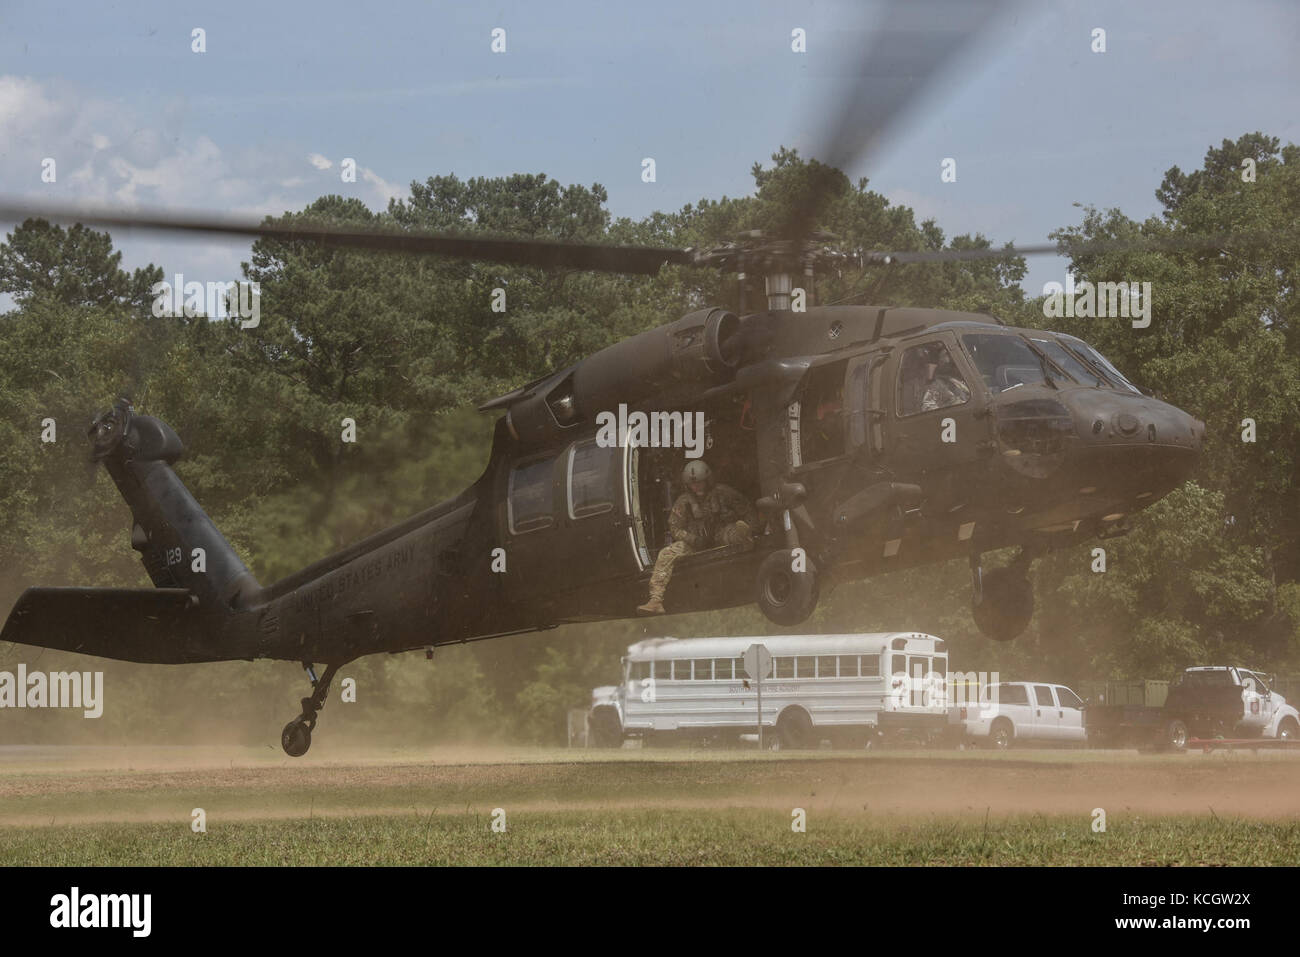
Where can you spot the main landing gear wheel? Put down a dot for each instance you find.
(785, 596)
(1003, 604)
(296, 736)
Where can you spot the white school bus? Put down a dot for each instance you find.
(848, 689)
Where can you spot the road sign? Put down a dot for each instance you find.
(758, 665)
(758, 662)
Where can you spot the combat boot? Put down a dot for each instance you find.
(655, 606)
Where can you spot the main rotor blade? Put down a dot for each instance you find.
(891, 66)
(1097, 247)
(642, 260)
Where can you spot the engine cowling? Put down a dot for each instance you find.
(701, 348)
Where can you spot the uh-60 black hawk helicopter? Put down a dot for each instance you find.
(870, 438)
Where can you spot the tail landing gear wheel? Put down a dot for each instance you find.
(786, 596)
(1003, 611)
(295, 738)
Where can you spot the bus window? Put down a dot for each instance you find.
(663, 670)
(784, 667)
(826, 666)
(738, 667)
(640, 670)
(870, 665)
(703, 669)
(681, 671)
(848, 666)
(722, 669)
(803, 667)
(940, 666)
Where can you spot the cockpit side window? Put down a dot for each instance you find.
(929, 379)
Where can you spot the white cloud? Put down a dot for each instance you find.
(109, 155)
(383, 189)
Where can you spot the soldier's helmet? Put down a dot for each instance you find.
(697, 471)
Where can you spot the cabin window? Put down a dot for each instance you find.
(528, 500)
(826, 666)
(928, 379)
(821, 413)
(591, 474)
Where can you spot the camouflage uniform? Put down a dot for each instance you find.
(721, 516)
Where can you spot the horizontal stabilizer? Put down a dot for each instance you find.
(129, 624)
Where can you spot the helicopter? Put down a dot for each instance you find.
(869, 438)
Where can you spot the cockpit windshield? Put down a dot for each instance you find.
(1065, 360)
(1096, 358)
(1004, 361)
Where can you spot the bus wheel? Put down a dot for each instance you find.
(794, 730)
(785, 596)
(605, 729)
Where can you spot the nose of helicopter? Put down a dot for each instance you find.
(1121, 451)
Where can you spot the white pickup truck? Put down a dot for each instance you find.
(1021, 712)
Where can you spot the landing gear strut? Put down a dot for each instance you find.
(1002, 599)
(296, 736)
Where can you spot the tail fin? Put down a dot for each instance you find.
(177, 542)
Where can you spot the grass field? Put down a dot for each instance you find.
(665, 807)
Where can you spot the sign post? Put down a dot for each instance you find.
(758, 665)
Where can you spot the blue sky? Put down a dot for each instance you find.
(1035, 120)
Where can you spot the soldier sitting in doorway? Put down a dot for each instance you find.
(706, 515)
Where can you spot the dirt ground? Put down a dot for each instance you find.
(44, 786)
